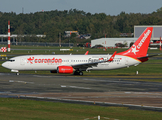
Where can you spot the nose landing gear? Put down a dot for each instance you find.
(17, 73)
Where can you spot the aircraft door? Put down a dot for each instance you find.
(126, 61)
(22, 61)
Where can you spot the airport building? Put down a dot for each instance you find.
(111, 42)
(156, 33)
(138, 30)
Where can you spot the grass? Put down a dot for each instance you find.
(76, 50)
(16, 109)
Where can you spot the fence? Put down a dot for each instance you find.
(38, 44)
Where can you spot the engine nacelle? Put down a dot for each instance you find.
(65, 69)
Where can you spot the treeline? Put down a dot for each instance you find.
(54, 23)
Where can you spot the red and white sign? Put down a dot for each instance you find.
(3, 49)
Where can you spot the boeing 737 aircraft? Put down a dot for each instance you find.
(78, 63)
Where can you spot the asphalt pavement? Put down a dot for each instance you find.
(110, 91)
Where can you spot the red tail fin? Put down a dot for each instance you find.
(140, 47)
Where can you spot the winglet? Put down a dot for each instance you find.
(112, 57)
(87, 53)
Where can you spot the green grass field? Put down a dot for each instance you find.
(18, 109)
(76, 50)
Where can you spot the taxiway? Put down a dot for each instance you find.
(82, 89)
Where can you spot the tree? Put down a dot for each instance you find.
(159, 10)
(54, 22)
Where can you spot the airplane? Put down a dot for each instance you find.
(75, 64)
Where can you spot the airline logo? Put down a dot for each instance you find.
(143, 39)
(30, 60)
(134, 48)
(138, 44)
(43, 60)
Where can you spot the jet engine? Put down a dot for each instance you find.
(65, 69)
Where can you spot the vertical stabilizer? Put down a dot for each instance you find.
(140, 47)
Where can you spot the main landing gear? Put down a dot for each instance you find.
(78, 73)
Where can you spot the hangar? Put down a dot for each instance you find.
(110, 42)
(156, 33)
(138, 30)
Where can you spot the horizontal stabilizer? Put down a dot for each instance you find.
(145, 58)
(148, 56)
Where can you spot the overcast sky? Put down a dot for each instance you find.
(109, 7)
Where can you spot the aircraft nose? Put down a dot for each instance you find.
(5, 64)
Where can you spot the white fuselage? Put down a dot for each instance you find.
(51, 62)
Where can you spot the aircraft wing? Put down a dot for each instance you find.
(86, 65)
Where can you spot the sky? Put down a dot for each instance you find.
(109, 7)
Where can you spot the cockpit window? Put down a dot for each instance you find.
(11, 60)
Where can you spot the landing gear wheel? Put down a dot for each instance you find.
(17, 73)
(80, 73)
